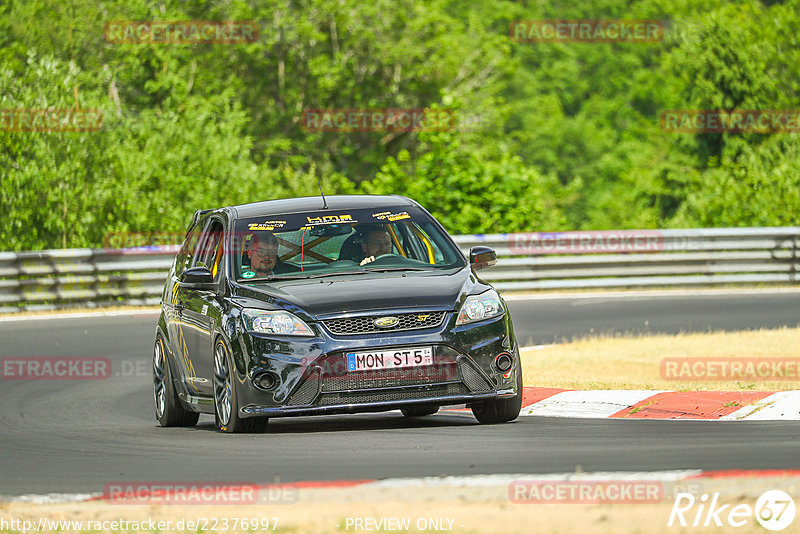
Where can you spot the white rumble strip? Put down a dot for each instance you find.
(587, 404)
(783, 405)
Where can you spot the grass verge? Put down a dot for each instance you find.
(635, 362)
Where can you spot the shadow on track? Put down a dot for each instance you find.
(351, 423)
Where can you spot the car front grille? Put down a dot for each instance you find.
(473, 378)
(331, 384)
(351, 326)
(307, 392)
(389, 378)
(329, 399)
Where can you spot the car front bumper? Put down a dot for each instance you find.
(312, 378)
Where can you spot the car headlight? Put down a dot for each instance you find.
(275, 322)
(480, 307)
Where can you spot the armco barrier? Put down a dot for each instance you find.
(636, 258)
(53, 279)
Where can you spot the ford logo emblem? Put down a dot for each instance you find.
(386, 322)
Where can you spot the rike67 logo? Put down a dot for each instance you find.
(774, 510)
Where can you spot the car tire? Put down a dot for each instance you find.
(419, 411)
(226, 402)
(500, 410)
(169, 410)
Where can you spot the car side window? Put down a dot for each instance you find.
(437, 251)
(419, 244)
(209, 253)
(184, 258)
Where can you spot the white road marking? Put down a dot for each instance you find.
(504, 480)
(652, 293)
(430, 482)
(51, 498)
(144, 312)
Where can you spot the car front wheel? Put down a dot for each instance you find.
(500, 410)
(226, 403)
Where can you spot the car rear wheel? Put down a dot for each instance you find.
(169, 410)
(226, 403)
(419, 411)
(501, 410)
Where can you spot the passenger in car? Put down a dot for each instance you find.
(377, 242)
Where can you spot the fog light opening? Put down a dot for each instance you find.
(504, 362)
(266, 381)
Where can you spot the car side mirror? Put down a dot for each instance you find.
(482, 257)
(197, 278)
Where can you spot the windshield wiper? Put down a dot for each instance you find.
(279, 277)
(322, 275)
(271, 277)
(386, 269)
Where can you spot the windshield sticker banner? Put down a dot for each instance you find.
(389, 216)
(267, 225)
(330, 219)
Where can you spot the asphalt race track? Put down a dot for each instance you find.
(77, 436)
(549, 321)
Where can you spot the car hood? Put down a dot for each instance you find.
(364, 293)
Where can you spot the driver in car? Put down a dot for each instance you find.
(376, 243)
(262, 249)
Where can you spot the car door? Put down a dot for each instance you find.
(173, 308)
(201, 309)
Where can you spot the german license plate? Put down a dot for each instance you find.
(389, 359)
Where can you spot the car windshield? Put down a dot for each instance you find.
(325, 243)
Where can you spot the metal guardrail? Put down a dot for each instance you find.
(52, 279)
(640, 258)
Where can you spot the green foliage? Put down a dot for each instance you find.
(551, 136)
(474, 192)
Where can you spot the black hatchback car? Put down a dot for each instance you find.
(313, 306)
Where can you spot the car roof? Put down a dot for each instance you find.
(302, 204)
